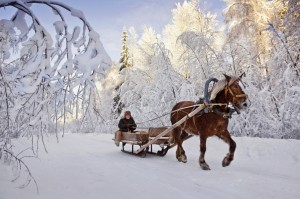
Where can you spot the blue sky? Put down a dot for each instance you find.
(108, 17)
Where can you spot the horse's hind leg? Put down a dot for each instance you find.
(180, 153)
(232, 145)
(202, 162)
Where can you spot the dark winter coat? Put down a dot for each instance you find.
(126, 125)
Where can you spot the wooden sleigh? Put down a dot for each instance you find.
(141, 138)
(161, 136)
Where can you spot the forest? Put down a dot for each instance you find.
(67, 83)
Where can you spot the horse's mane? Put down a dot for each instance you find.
(220, 85)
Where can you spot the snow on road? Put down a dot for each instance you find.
(90, 166)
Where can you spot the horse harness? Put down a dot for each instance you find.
(212, 108)
(227, 88)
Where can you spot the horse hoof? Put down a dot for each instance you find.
(204, 166)
(182, 158)
(226, 162)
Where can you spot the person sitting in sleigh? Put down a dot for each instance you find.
(126, 124)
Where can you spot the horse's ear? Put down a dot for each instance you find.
(227, 77)
(242, 75)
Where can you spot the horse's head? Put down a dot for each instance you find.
(234, 93)
(228, 90)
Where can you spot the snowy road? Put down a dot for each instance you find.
(92, 167)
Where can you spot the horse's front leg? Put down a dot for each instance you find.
(202, 162)
(232, 145)
(180, 153)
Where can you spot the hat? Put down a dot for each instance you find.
(127, 113)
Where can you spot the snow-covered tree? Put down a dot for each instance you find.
(142, 49)
(186, 17)
(285, 65)
(292, 30)
(108, 87)
(258, 40)
(192, 39)
(132, 44)
(248, 41)
(125, 58)
(46, 79)
(146, 47)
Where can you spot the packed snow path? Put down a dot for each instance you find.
(92, 167)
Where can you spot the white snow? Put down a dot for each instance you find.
(77, 13)
(59, 27)
(91, 166)
(21, 24)
(95, 56)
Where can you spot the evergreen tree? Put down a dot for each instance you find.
(124, 61)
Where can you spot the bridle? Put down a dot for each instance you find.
(228, 89)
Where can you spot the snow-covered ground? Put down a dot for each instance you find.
(91, 166)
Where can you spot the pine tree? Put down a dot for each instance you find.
(124, 61)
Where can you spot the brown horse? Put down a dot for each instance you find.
(213, 121)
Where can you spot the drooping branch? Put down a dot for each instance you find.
(21, 163)
(45, 79)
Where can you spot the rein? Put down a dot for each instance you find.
(166, 114)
